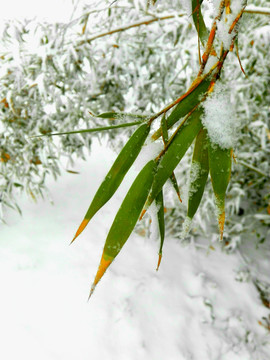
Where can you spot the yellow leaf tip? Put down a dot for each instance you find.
(80, 229)
(221, 221)
(159, 261)
(103, 265)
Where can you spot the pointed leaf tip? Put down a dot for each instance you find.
(91, 292)
(80, 229)
(221, 221)
(159, 261)
(105, 262)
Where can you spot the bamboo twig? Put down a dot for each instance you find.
(258, 12)
(211, 38)
(194, 85)
(127, 27)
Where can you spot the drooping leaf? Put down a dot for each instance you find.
(174, 153)
(198, 176)
(126, 218)
(116, 174)
(220, 171)
(199, 22)
(186, 105)
(161, 224)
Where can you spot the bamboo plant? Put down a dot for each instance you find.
(180, 124)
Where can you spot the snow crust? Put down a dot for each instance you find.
(219, 118)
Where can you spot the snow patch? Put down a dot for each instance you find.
(154, 228)
(149, 152)
(194, 174)
(219, 118)
(212, 60)
(186, 228)
(187, 6)
(223, 33)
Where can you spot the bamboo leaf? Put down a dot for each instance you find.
(220, 171)
(126, 218)
(161, 224)
(165, 137)
(198, 176)
(175, 186)
(103, 128)
(175, 151)
(116, 174)
(185, 106)
(198, 21)
(164, 130)
(118, 115)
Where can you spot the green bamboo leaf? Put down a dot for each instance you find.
(164, 130)
(116, 174)
(175, 186)
(161, 224)
(103, 128)
(165, 137)
(126, 218)
(220, 171)
(174, 153)
(199, 172)
(118, 115)
(198, 21)
(185, 106)
(198, 176)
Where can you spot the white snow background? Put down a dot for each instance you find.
(193, 308)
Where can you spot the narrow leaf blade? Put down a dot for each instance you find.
(118, 115)
(220, 171)
(185, 106)
(176, 150)
(175, 186)
(103, 128)
(126, 218)
(198, 176)
(116, 174)
(199, 22)
(161, 224)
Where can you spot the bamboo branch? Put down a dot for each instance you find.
(193, 86)
(124, 28)
(253, 168)
(211, 38)
(258, 12)
(255, 10)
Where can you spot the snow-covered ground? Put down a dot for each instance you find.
(193, 308)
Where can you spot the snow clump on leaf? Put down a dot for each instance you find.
(219, 118)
